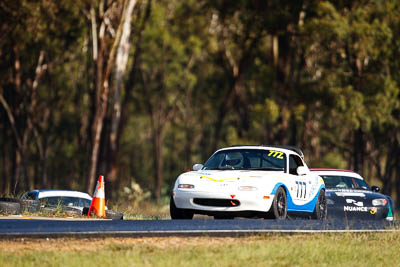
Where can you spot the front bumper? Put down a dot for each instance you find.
(359, 213)
(248, 201)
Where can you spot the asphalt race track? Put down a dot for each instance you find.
(10, 228)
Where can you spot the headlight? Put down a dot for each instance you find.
(186, 186)
(247, 188)
(379, 202)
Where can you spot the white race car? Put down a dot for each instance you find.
(250, 181)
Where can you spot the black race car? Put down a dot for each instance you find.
(349, 196)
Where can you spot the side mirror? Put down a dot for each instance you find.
(197, 167)
(301, 170)
(375, 188)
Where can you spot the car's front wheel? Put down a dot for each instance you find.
(320, 210)
(279, 205)
(177, 213)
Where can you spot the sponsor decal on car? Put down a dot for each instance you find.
(352, 201)
(204, 173)
(275, 154)
(315, 185)
(350, 194)
(352, 208)
(216, 180)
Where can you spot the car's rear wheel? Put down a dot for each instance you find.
(320, 210)
(278, 208)
(177, 213)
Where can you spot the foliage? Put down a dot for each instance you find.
(134, 194)
(322, 75)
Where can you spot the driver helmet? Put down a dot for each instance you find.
(234, 159)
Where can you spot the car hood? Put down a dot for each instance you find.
(356, 204)
(228, 175)
(206, 179)
(331, 192)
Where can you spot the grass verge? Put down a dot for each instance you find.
(363, 249)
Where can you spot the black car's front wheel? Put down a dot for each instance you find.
(177, 213)
(278, 209)
(320, 210)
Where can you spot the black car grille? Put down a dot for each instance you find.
(215, 202)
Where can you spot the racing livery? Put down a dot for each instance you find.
(349, 196)
(250, 181)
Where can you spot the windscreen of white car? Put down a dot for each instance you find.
(344, 182)
(65, 201)
(247, 159)
(30, 195)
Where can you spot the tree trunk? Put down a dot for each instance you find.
(121, 62)
(103, 69)
(44, 181)
(19, 162)
(158, 142)
(397, 177)
(391, 160)
(17, 172)
(98, 127)
(282, 137)
(358, 152)
(293, 130)
(4, 166)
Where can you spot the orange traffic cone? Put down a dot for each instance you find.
(98, 201)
